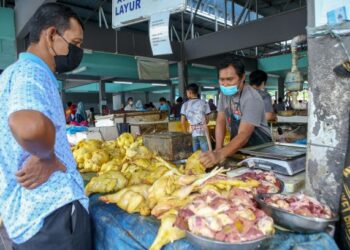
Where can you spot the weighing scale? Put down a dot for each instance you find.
(283, 158)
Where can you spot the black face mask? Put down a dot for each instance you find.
(71, 60)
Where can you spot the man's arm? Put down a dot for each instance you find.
(270, 116)
(34, 132)
(239, 141)
(220, 130)
(245, 131)
(183, 124)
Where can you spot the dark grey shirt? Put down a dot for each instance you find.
(267, 100)
(251, 107)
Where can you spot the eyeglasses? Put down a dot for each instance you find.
(74, 43)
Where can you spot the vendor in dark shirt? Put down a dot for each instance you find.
(241, 109)
(258, 79)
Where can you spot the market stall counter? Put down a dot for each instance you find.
(116, 229)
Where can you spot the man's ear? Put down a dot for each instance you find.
(50, 36)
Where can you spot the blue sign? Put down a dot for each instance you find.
(130, 6)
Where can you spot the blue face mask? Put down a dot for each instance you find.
(230, 90)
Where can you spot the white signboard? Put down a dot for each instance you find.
(126, 12)
(159, 34)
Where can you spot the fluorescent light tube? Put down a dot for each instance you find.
(117, 82)
(159, 84)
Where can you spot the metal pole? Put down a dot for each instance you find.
(99, 3)
(192, 18)
(192, 28)
(102, 94)
(243, 11)
(104, 17)
(171, 33)
(216, 18)
(248, 11)
(182, 27)
(233, 13)
(99, 18)
(177, 35)
(257, 17)
(225, 1)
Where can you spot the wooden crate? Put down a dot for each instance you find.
(148, 127)
(172, 146)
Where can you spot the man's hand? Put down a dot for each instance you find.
(210, 159)
(37, 171)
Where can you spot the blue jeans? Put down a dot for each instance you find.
(199, 142)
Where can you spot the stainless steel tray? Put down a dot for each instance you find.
(294, 222)
(276, 150)
(205, 243)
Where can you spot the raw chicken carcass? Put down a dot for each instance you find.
(131, 199)
(161, 188)
(136, 151)
(114, 164)
(167, 204)
(125, 140)
(109, 182)
(167, 232)
(193, 165)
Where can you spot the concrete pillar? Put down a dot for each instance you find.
(123, 99)
(102, 95)
(183, 78)
(281, 87)
(328, 121)
(147, 96)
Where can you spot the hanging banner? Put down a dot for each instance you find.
(159, 34)
(126, 12)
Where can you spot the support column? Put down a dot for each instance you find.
(328, 121)
(183, 78)
(281, 87)
(123, 100)
(172, 93)
(182, 72)
(102, 95)
(146, 97)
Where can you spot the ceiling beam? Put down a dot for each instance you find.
(264, 31)
(74, 83)
(24, 10)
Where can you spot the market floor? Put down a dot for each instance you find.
(5, 243)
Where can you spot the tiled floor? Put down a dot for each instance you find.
(5, 243)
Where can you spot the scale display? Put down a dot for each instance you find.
(283, 158)
(282, 151)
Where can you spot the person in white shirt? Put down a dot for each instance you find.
(130, 105)
(196, 111)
